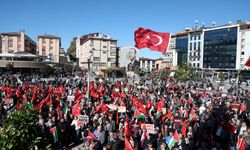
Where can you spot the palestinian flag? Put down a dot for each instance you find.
(54, 133)
(192, 115)
(139, 114)
(159, 112)
(173, 140)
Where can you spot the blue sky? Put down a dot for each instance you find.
(118, 18)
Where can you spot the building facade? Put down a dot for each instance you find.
(13, 42)
(100, 49)
(147, 64)
(48, 46)
(244, 34)
(220, 47)
(170, 58)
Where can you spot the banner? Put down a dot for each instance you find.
(70, 98)
(112, 106)
(122, 109)
(150, 128)
(83, 118)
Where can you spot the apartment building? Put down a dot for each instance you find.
(100, 49)
(169, 59)
(48, 46)
(13, 42)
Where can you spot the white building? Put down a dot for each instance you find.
(170, 58)
(244, 47)
(100, 49)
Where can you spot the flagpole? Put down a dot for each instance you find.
(88, 79)
(237, 81)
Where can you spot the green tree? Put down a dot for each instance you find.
(9, 67)
(72, 49)
(21, 131)
(184, 72)
(222, 76)
(47, 70)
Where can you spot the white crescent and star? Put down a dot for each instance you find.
(160, 40)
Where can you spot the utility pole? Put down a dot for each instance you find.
(88, 79)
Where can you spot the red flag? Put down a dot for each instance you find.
(40, 105)
(240, 144)
(105, 108)
(229, 127)
(165, 117)
(149, 104)
(91, 136)
(157, 41)
(95, 95)
(59, 113)
(117, 118)
(128, 145)
(76, 110)
(184, 128)
(160, 104)
(127, 128)
(248, 62)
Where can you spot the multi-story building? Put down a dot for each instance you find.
(49, 46)
(195, 47)
(158, 64)
(219, 47)
(244, 35)
(100, 49)
(170, 58)
(146, 64)
(12, 42)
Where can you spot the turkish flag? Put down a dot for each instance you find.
(127, 128)
(247, 63)
(157, 41)
(76, 110)
(127, 143)
(91, 136)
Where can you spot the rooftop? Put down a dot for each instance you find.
(48, 36)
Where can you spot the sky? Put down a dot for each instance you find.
(117, 18)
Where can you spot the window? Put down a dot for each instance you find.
(199, 45)
(242, 53)
(198, 65)
(96, 58)
(113, 64)
(44, 41)
(112, 53)
(104, 46)
(112, 48)
(112, 43)
(103, 64)
(191, 46)
(195, 46)
(104, 52)
(112, 59)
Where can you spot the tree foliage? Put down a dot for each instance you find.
(21, 131)
(72, 49)
(47, 70)
(184, 72)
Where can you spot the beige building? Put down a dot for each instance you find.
(158, 64)
(48, 46)
(100, 49)
(13, 42)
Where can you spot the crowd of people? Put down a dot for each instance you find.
(153, 114)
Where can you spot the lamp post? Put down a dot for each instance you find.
(88, 78)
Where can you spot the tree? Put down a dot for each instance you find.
(9, 67)
(222, 76)
(72, 49)
(21, 131)
(184, 72)
(47, 70)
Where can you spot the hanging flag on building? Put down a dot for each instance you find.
(146, 38)
(248, 62)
